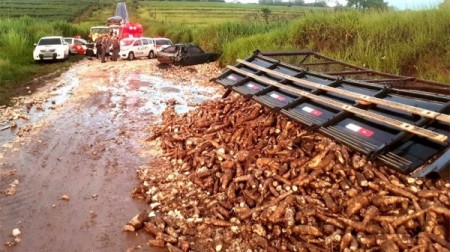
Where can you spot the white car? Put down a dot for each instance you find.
(51, 48)
(131, 48)
(160, 43)
(76, 45)
(156, 45)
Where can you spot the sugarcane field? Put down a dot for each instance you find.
(253, 126)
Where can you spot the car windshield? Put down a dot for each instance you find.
(50, 41)
(170, 49)
(163, 42)
(127, 42)
(80, 42)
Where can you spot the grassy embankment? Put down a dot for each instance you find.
(401, 42)
(412, 43)
(18, 34)
(187, 21)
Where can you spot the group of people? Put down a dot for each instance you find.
(104, 44)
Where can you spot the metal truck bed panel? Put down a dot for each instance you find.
(250, 88)
(434, 105)
(311, 113)
(404, 129)
(374, 133)
(276, 99)
(261, 62)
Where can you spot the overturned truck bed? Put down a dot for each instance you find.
(408, 130)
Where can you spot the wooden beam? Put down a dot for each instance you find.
(363, 113)
(390, 104)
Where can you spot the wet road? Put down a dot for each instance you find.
(87, 143)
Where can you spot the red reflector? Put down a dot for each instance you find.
(365, 132)
(253, 86)
(316, 112)
(312, 111)
(277, 96)
(359, 130)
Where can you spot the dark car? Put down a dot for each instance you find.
(185, 55)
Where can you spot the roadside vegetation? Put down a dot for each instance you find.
(401, 42)
(411, 43)
(18, 34)
(68, 10)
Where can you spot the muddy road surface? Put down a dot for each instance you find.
(68, 166)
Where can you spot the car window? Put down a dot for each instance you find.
(137, 43)
(126, 42)
(68, 40)
(163, 42)
(145, 42)
(195, 50)
(50, 41)
(170, 49)
(79, 42)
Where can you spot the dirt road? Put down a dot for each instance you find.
(84, 138)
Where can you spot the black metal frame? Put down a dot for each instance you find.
(390, 146)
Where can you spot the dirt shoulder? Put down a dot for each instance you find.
(82, 136)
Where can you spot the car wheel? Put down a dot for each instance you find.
(131, 56)
(151, 55)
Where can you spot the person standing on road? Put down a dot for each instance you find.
(98, 46)
(90, 50)
(115, 48)
(105, 47)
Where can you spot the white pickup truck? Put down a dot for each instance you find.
(51, 48)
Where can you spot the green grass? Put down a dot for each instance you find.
(17, 36)
(47, 9)
(200, 14)
(413, 43)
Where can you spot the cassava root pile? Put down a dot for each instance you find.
(242, 178)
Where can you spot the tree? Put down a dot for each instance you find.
(265, 14)
(265, 1)
(320, 3)
(367, 4)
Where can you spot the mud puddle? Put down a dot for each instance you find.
(37, 106)
(89, 148)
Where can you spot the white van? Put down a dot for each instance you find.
(131, 48)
